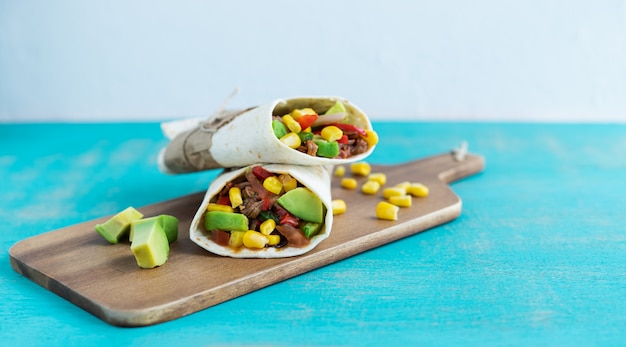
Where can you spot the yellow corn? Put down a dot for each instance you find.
(254, 239)
(378, 177)
(273, 184)
(292, 124)
(297, 113)
(331, 133)
(402, 200)
(308, 130)
(404, 184)
(340, 171)
(291, 140)
(371, 137)
(236, 239)
(370, 187)
(218, 207)
(387, 211)
(361, 168)
(273, 240)
(288, 182)
(418, 190)
(339, 206)
(267, 227)
(234, 194)
(348, 183)
(393, 191)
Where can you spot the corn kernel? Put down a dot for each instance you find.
(331, 133)
(291, 140)
(340, 171)
(236, 239)
(289, 183)
(371, 137)
(292, 124)
(402, 200)
(361, 168)
(308, 130)
(387, 211)
(234, 194)
(273, 184)
(267, 227)
(404, 184)
(348, 183)
(273, 240)
(297, 113)
(254, 239)
(339, 206)
(378, 177)
(370, 187)
(219, 207)
(393, 191)
(418, 190)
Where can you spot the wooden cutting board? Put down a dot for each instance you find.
(79, 265)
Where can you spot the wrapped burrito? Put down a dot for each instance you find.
(303, 131)
(265, 211)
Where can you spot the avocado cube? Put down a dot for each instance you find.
(338, 107)
(229, 221)
(168, 223)
(302, 203)
(150, 246)
(119, 225)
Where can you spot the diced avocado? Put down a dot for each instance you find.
(218, 220)
(338, 107)
(302, 203)
(119, 225)
(310, 229)
(327, 149)
(168, 223)
(150, 246)
(279, 128)
(305, 135)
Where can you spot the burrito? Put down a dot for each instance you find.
(302, 131)
(265, 211)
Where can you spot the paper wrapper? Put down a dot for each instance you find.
(241, 138)
(316, 178)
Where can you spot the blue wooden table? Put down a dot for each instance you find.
(538, 256)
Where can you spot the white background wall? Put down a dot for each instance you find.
(529, 60)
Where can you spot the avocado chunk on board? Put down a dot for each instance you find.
(118, 226)
(150, 245)
(168, 223)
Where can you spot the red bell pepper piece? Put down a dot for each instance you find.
(290, 219)
(261, 173)
(223, 200)
(350, 127)
(266, 204)
(343, 140)
(307, 120)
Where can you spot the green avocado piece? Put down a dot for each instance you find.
(302, 203)
(119, 225)
(168, 223)
(326, 149)
(279, 128)
(150, 246)
(338, 107)
(305, 135)
(218, 220)
(310, 229)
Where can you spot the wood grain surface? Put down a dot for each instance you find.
(79, 265)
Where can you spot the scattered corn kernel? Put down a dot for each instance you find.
(267, 227)
(418, 190)
(387, 211)
(289, 183)
(219, 207)
(234, 194)
(273, 240)
(292, 124)
(254, 239)
(370, 187)
(361, 168)
(236, 238)
(339, 206)
(340, 171)
(393, 191)
(371, 137)
(348, 183)
(331, 133)
(402, 200)
(291, 140)
(378, 177)
(299, 112)
(273, 184)
(404, 184)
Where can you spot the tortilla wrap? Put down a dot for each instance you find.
(245, 137)
(315, 178)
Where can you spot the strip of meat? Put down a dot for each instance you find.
(295, 237)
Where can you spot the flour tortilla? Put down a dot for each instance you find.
(316, 178)
(238, 138)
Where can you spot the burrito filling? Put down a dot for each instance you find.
(327, 135)
(261, 209)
